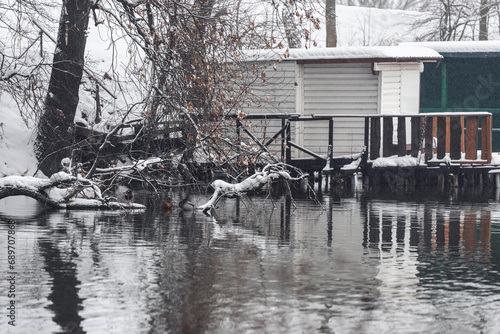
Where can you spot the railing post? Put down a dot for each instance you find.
(238, 134)
(416, 135)
(455, 138)
(375, 138)
(441, 137)
(288, 149)
(401, 136)
(387, 145)
(330, 143)
(471, 138)
(429, 138)
(283, 140)
(367, 140)
(486, 144)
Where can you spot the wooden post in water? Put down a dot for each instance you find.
(375, 138)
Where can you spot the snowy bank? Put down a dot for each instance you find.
(17, 156)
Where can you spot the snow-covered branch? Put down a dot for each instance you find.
(54, 192)
(270, 173)
(139, 165)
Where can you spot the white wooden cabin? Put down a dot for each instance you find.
(336, 81)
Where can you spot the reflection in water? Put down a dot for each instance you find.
(347, 266)
(64, 296)
(435, 263)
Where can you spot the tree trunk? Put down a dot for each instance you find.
(331, 24)
(55, 129)
(483, 20)
(291, 29)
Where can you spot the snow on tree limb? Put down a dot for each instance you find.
(269, 173)
(139, 165)
(47, 192)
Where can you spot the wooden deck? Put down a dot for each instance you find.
(452, 138)
(444, 148)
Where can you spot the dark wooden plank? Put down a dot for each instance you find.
(283, 139)
(305, 150)
(387, 145)
(273, 138)
(455, 138)
(428, 138)
(401, 136)
(447, 135)
(367, 141)
(367, 132)
(374, 138)
(416, 135)
(330, 142)
(441, 137)
(471, 138)
(486, 145)
(288, 150)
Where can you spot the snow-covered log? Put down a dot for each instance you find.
(53, 192)
(269, 173)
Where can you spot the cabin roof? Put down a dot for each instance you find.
(348, 54)
(461, 49)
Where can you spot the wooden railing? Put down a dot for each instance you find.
(440, 137)
(436, 135)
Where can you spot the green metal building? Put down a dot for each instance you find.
(466, 80)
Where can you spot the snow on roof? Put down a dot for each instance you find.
(457, 46)
(397, 53)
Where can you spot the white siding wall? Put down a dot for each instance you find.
(399, 87)
(347, 88)
(273, 95)
(390, 92)
(338, 89)
(399, 90)
(276, 93)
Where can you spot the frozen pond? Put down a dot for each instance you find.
(349, 266)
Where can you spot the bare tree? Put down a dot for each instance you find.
(185, 58)
(483, 20)
(190, 58)
(450, 20)
(56, 123)
(331, 23)
(291, 28)
(387, 4)
(23, 55)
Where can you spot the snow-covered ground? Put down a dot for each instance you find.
(356, 26)
(16, 143)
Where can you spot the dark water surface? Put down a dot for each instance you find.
(348, 266)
